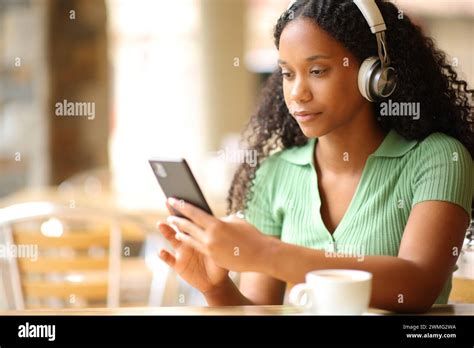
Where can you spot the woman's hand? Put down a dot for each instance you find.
(232, 243)
(195, 268)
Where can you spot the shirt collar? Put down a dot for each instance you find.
(393, 145)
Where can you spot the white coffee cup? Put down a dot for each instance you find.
(334, 292)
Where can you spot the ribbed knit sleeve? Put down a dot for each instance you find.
(444, 172)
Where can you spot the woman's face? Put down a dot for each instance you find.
(319, 79)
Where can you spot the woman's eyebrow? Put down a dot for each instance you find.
(309, 59)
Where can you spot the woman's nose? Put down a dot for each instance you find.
(300, 91)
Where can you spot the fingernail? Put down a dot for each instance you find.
(172, 201)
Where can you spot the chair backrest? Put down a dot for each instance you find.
(61, 256)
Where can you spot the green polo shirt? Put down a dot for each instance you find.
(399, 174)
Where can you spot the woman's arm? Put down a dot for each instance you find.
(409, 282)
(255, 289)
(412, 281)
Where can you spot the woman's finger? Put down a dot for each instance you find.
(171, 210)
(169, 234)
(167, 257)
(191, 242)
(187, 226)
(197, 215)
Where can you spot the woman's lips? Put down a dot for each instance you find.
(306, 117)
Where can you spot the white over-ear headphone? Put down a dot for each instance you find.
(377, 79)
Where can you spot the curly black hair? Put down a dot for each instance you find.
(424, 76)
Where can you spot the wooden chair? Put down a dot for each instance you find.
(77, 261)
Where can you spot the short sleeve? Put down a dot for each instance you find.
(259, 210)
(444, 172)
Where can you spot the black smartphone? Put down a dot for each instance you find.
(177, 180)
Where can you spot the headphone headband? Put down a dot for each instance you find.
(372, 15)
(370, 11)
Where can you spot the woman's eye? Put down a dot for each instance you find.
(285, 74)
(318, 72)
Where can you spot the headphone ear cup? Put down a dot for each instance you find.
(367, 71)
(385, 82)
(376, 82)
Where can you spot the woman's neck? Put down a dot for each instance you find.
(346, 149)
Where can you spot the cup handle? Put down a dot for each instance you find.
(296, 295)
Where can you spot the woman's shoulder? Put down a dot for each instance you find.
(270, 164)
(443, 170)
(442, 161)
(282, 162)
(441, 145)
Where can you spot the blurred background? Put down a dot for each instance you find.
(90, 89)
